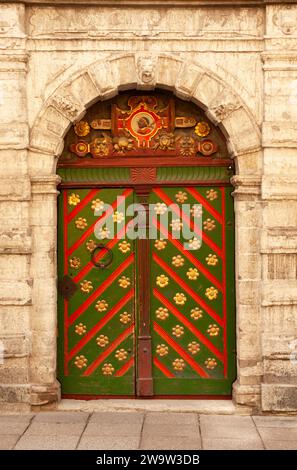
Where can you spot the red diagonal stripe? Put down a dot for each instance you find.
(163, 368)
(188, 289)
(90, 265)
(180, 351)
(101, 289)
(101, 219)
(187, 219)
(116, 308)
(187, 254)
(122, 371)
(205, 204)
(82, 204)
(108, 351)
(189, 325)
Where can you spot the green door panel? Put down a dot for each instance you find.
(96, 325)
(192, 292)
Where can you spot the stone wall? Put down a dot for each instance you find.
(238, 63)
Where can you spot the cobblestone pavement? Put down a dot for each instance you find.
(150, 430)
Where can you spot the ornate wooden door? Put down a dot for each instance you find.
(146, 316)
(192, 292)
(96, 303)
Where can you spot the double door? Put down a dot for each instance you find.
(146, 291)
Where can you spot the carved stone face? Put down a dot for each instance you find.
(146, 69)
(99, 147)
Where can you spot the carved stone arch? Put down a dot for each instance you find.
(188, 80)
(66, 105)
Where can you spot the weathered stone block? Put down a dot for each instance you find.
(187, 80)
(124, 72)
(54, 122)
(279, 266)
(249, 163)
(41, 163)
(44, 238)
(43, 210)
(43, 264)
(280, 318)
(248, 345)
(248, 214)
(276, 134)
(279, 291)
(13, 163)
(281, 371)
(14, 345)
(14, 214)
(279, 344)
(248, 266)
(14, 393)
(167, 71)
(14, 189)
(14, 136)
(244, 133)
(46, 142)
(248, 395)
(14, 267)
(279, 187)
(14, 371)
(15, 292)
(279, 240)
(277, 397)
(280, 214)
(43, 317)
(207, 89)
(103, 76)
(44, 291)
(280, 162)
(15, 240)
(84, 90)
(43, 370)
(247, 239)
(14, 320)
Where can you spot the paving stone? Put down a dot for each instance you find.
(8, 442)
(227, 427)
(52, 429)
(61, 417)
(283, 434)
(232, 444)
(117, 417)
(170, 443)
(280, 445)
(13, 428)
(42, 442)
(226, 420)
(19, 418)
(275, 421)
(114, 442)
(228, 432)
(123, 429)
(171, 418)
(169, 430)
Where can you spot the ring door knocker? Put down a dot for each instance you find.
(106, 261)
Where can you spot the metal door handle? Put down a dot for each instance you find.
(103, 263)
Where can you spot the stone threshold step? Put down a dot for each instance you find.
(225, 407)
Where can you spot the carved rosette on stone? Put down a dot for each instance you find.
(143, 125)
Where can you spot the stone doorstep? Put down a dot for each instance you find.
(221, 407)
